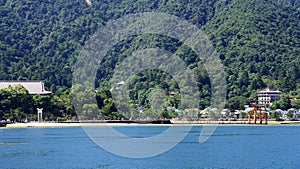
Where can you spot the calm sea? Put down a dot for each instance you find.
(229, 147)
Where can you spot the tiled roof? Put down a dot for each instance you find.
(33, 87)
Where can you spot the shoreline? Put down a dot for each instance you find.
(174, 123)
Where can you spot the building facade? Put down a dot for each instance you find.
(268, 96)
(33, 87)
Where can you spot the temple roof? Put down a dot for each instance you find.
(33, 87)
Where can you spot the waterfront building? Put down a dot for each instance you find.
(33, 87)
(268, 96)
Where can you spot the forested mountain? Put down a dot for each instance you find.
(40, 39)
(258, 42)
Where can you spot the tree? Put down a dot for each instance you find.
(237, 103)
(254, 53)
(42, 101)
(296, 104)
(84, 100)
(106, 105)
(16, 103)
(290, 114)
(275, 115)
(244, 115)
(284, 103)
(62, 105)
(90, 112)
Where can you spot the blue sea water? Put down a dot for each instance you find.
(229, 147)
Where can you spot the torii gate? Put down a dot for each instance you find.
(40, 114)
(258, 107)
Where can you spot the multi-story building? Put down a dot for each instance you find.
(268, 96)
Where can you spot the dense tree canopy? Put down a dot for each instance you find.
(257, 41)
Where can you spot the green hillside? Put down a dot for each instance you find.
(40, 39)
(258, 42)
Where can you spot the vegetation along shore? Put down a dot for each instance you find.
(258, 42)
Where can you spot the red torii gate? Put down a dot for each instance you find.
(260, 115)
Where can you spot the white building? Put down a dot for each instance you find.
(268, 96)
(33, 87)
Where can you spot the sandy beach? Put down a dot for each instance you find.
(174, 123)
(55, 125)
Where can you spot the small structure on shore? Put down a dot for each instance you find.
(40, 114)
(260, 115)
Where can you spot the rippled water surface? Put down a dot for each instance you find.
(229, 147)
